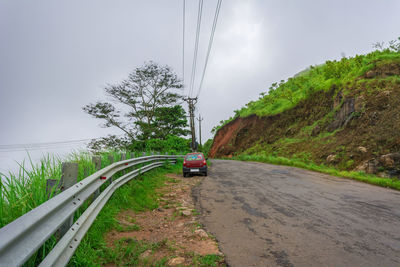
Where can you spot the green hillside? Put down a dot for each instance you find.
(347, 73)
(341, 116)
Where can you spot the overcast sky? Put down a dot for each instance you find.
(56, 56)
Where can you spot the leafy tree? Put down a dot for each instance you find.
(144, 106)
(166, 121)
(170, 121)
(394, 45)
(207, 146)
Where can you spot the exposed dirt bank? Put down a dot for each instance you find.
(352, 128)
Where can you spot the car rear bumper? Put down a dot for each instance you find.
(190, 170)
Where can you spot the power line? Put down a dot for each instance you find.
(43, 144)
(214, 26)
(196, 47)
(183, 43)
(40, 148)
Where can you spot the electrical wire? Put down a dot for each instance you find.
(44, 145)
(41, 148)
(183, 42)
(214, 26)
(196, 47)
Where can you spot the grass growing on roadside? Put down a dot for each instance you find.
(127, 251)
(25, 190)
(210, 260)
(138, 195)
(360, 176)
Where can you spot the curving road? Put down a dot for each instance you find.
(267, 215)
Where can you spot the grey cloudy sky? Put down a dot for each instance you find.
(56, 56)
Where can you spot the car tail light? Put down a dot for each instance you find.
(204, 162)
(184, 163)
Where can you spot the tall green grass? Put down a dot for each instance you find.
(137, 195)
(25, 189)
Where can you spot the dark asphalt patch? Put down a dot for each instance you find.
(281, 258)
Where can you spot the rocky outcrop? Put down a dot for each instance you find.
(331, 158)
(388, 165)
(391, 160)
(343, 116)
(349, 106)
(368, 166)
(383, 71)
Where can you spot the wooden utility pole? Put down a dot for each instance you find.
(192, 102)
(200, 119)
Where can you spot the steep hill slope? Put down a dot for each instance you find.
(343, 114)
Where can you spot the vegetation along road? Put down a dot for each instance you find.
(267, 215)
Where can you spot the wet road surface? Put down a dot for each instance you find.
(267, 215)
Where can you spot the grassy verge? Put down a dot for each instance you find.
(24, 190)
(138, 195)
(360, 176)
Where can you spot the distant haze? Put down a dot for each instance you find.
(57, 56)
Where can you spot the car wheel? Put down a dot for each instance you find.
(205, 174)
(184, 174)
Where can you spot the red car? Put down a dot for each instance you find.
(194, 163)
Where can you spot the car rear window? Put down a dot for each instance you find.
(194, 157)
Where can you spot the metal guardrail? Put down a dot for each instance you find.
(21, 238)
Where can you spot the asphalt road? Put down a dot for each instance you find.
(267, 215)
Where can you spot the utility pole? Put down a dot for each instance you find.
(200, 119)
(192, 101)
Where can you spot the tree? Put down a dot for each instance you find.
(170, 121)
(144, 106)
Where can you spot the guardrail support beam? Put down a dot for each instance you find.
(97, 165)
(69, 178)
(50, 184)
(123, 157)
(97, 162)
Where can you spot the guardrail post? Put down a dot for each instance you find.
(111, 159)
(50, 184)
(97, 165)
(143, 154)
(69, 178)
(85, 172)
(97, 162)
(123, 157)
(132, 155)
